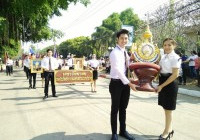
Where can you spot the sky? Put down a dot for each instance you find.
(79, 20)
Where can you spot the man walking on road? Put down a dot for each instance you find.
(120, 85)
(49, 64)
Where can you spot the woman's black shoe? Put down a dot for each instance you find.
(167, 138)
(171, 134)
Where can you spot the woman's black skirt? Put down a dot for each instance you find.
(168, 95)
(95, 74)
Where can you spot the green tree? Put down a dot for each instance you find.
(80, 46)
(28, 20)
(104, 36)
(102, 39)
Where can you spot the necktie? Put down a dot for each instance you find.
(49, 64)
(126, 63)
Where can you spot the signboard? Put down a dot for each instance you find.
(36, 66)
(73, 76)
(131, 31)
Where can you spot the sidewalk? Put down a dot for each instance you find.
(190, 92)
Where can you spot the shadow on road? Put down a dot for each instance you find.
(7, 83)
(62, 136)
(92, 136)
(19, 88)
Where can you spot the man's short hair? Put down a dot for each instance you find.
(122, 31)
(49, 50)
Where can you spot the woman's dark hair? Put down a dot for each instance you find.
(122, 31)
(179, 53)
(171, 40)
(49, 50)
(194, 52)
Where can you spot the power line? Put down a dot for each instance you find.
(85, 16)
(92, 12)
(177, 14)
(89, 12)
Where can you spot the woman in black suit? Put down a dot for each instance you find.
(168, 87)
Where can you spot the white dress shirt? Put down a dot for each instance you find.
(70, 62)
(60, 61)
(191, 60)
(9, 62)
(169, 61)
(45, 63)
(27, 63)
(85, 63)
(93, 63)
(118, 68)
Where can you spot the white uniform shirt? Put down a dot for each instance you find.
(45, 63)
(191, 60)
(169, 61)
(27, 63)
(117, 61)
(60, 61)
(9, 62)
(85, 63)
(70, 62)
(93, 63)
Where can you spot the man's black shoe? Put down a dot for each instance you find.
(34, 87)
(126, 135)
(46, 96)
(114, 137)
(30, 87)
(54, 96)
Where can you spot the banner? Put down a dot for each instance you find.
(73, 76)
(31, 51)
(131, 33)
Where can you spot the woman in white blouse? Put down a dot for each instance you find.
(168, 87)
(94, 66)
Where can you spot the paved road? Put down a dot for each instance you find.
(79, 114)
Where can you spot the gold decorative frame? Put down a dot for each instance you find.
(36, 66)
(78, 63)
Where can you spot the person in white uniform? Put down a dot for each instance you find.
(49, 64)
(94, 66)
(9, 64)
(26, 65)
(168, 86)
(70, 62)
(32, 76)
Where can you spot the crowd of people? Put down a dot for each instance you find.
(189, 68)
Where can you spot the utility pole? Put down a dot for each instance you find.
(171, 16)
(54, 43)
